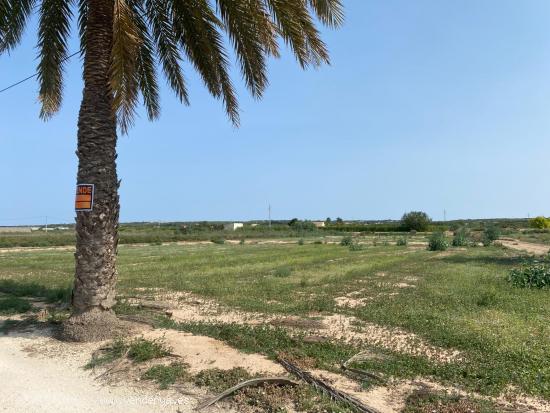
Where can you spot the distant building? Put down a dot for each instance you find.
(233, 226)
(319, 224)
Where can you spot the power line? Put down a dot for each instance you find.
(34, 75)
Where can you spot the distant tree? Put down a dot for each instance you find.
(292, 222)
(339, 220)
(416, 220)
(539, 223)
(490, 234)
(328, 221)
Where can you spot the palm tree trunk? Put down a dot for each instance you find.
(97, 230)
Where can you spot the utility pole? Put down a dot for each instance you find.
(444, 215)
(46, 223)
(269, 214)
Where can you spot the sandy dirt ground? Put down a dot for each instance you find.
(532, 248)
(42, 375)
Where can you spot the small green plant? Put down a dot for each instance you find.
(164, 376)
(318, 242)
(283, 271)
(301, 241)
(242, 241)
(116, 350)
(355, 247)
(346, 241)
(402, 242)
(535, 275)
(141, 349)
(438, 242)
(219, 241)
(461, 237)
(217, 380)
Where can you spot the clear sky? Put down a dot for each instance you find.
(428, 105)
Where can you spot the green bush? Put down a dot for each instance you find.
(461, 238)
(355, 247)
(540, 223)
(301, 241)
(401, 242)
(141, 349)
(283, 271)
(218, 241)
(167, 375)
(14, 305)
(416, 220)
(490, 234)
(535, 275)
(438, 242)
(346, 241)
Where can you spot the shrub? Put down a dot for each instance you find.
(461, 237)
(355, 247)
(535, 275)
(438, 242)
(242, 241)
(141, 349)
(539, 223)
(346, 241)
(218, 241)
(416, 220)
(318, 242)
(301, 241)
(490, 234)
(283, 271)
(403, 241)
(14, 305)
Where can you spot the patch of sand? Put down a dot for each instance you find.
(203, 353)
(532, 248)
(41, 374)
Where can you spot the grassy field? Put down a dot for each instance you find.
(459, 299)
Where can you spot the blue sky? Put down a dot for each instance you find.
(428, 105)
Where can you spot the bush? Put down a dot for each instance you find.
(539, 223)
(535, 275)
(438, 242)
(355, 247)
(490, 234)
(401, 242)
(283, 271)
(461, 238)
(346, 241)
(166, 375)
(416, 220)
(301, 241)
(141, 349)
(218, 241)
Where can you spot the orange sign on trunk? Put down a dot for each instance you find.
(84, 197)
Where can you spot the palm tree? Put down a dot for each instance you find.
(122, 42)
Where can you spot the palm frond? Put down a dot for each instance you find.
(13, 18)
(124, 61)
(82, 23)
(298, 30)
(146, 70)
(159, 13)
(249, 31)
(53, 32)
(329, 12)
(197, 29)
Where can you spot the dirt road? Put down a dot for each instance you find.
(537, 249)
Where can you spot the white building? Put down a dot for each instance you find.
(233, 226)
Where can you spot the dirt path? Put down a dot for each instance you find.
(537, 249)
(42, 375)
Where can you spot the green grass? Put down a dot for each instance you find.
(14, 305)
(461, 300)
(164, 376)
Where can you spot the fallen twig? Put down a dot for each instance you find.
(248, 383)
(112, 368)
(323, 387)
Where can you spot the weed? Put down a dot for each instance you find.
(218, 380)
(218, 241)
(301, 241)
(346, 241)
(536, 275)
(402, 242)
(141, 349)
(14, 305)
(461, 237)
(356, 247)
(164, 376)
(284, 271)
